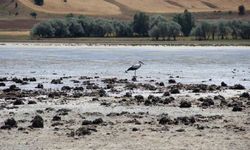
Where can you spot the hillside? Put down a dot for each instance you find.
(15, 14)
(118, 7)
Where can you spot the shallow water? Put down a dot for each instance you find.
(192, 64)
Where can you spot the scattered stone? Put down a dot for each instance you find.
(63, 111)
(66, 88)
(166, 93)
(238, 87)
(171, 81)
(37, 122)
(39, 86)
(2, 84)
(223, 84)
(165, 120)
(102, 92)
(135, 129)
(18, 102)
(168, 100)
(9, 123)
(174, 91)
(185, 120)
(56, 118)
(97, 121)
(87, 122)
(139, 98)
(78, 89)
(180, 130)
(82, 131)
(245, 95)
(237, 108)
(31, 102)
(12, 88)
(56, 81)
(207, 102)
(185, 104)
(128, 94)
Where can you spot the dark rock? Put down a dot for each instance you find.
(3, 79)
(207, 102)
(18, 102)
(66, 88)
(33, 79)
(166, 93)
(39, 86)
(168, 100)
(245, 95)
(131, 86)
(2, 84)
(180, 130)
(9, 123)
(128, 94)
(219, 97)
(82, 131)
(63, 111)
(147, 103)
(134, 78)
(56, 124)
(37, 122)
(87, 122)
(174, 91)
(196, 90)
(238, 87)
(54, 94)
(165, 120)
(223, 84)
(78, 88)
(102, 93)
(77, 95)
(171, 81)
(16, 80)
(135, 129)
(185, 120)
(185, 104)
(12, 88)
(56, 118)
(56, 81)
(139, 98)
(95, 99)
(237, 108)
(97, 121)
(32, 102)
(148, 87)
(161, 84)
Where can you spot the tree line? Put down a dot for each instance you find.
(142, 25)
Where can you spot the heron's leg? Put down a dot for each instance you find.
(135, 73)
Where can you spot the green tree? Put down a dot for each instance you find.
(43, 30)
(242, 10)
(33, 14)
(141, 24)
(186, 20)
(154, 32)
(39, 2)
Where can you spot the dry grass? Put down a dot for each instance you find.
(87, 7)
(113, 7)
(14, 33)
(172, 6)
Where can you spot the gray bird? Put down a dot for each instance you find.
(135, 67)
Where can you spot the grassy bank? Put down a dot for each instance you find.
(23, 36)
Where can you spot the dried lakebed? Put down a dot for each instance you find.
(112, 113)
(78, 97)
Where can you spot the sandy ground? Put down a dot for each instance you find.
(132, 115)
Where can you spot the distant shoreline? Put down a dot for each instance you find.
(127, 42)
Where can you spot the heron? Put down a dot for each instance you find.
(135, 67)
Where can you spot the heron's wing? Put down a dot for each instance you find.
(134, 67)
